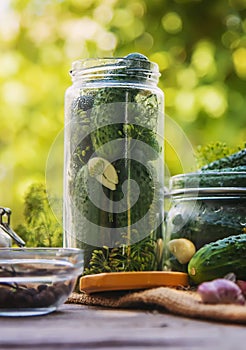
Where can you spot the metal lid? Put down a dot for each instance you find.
(133, 67)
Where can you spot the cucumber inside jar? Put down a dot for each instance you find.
(124, 115)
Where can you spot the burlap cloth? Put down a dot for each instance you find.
(165, 299)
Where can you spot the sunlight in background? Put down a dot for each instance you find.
(213, 100)
(239, 60)
(203, 59)
(162, 59)
(172, 22)
(185, 104)
(203, 70)
(187, 78)
(9, 22)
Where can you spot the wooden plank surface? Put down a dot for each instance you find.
(83, 327)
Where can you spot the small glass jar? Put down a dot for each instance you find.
(205, 207)
(114, 172)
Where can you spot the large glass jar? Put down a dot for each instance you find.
(205, 207)
(113, 173)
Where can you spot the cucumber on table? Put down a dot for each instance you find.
(216, 259)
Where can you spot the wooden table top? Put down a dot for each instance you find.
(86, 327)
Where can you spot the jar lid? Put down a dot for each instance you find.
(116, 281)
(133, 67)
(209, 182)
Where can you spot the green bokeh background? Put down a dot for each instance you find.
(200, 46)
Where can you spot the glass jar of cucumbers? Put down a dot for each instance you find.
(207, 206)
(114, 172)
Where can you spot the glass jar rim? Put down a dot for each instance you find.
(208, 182)
(110, 67)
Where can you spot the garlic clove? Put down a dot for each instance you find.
(96, 166)
(111, 174)
(105, 182)
(182, 248)
(104, 172)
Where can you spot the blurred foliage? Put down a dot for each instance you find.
(40, 228)
(200, 46)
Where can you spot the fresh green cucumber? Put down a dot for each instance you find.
(144, 212)
(82, 190)
(216, 259)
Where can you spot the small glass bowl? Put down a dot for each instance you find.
(36, 281)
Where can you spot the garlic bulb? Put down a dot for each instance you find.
(221, 291)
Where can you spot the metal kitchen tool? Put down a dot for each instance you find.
(5, 214)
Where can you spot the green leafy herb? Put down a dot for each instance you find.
(213, 152)
(40, 227)
(141, 256)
